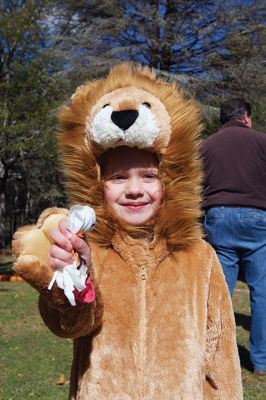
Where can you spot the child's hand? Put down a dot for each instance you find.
(61, 252)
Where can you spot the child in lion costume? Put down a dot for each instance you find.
(158, 321)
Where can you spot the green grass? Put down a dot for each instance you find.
(32, 358)
(254, 386)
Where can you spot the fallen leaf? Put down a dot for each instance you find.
(247, 378)
(61, 380)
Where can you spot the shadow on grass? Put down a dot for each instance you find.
(244, 358)
(4, 289)
(243, 320)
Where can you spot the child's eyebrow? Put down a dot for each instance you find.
(125, 171)
(113, 173)
(149, 169)
(117, 172)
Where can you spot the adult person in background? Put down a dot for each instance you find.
(234, 160)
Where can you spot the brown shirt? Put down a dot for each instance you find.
(234, 161)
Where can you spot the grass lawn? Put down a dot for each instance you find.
(32, 359)
(35, 364)
(254, 386)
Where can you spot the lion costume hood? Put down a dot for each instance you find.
(131, 107)
(161, 325)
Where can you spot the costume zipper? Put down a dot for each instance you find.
(143, 326)
(143, 272)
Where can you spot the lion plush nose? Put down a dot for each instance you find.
(124, 119)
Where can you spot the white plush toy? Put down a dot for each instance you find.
(80, 219)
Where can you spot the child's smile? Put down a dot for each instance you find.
(132, 187)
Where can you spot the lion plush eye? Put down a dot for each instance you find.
(146, 104)
(106, 105)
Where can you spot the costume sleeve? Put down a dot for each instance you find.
(31, 245)
(223, 373)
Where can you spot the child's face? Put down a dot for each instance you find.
(132, 188)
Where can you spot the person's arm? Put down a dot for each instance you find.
(71, 322)
(32, 247)
(223, 373)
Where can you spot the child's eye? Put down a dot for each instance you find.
(150, 177)
(117, 178)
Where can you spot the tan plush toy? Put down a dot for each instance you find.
(161, 324)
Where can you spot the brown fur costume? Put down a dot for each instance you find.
(162, 325)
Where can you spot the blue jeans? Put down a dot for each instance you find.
(238, 234)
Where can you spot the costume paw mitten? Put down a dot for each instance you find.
(31, 245)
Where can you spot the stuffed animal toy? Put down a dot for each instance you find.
(161, 324)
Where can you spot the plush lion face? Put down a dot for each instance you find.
(132, 107)
(129, 117)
